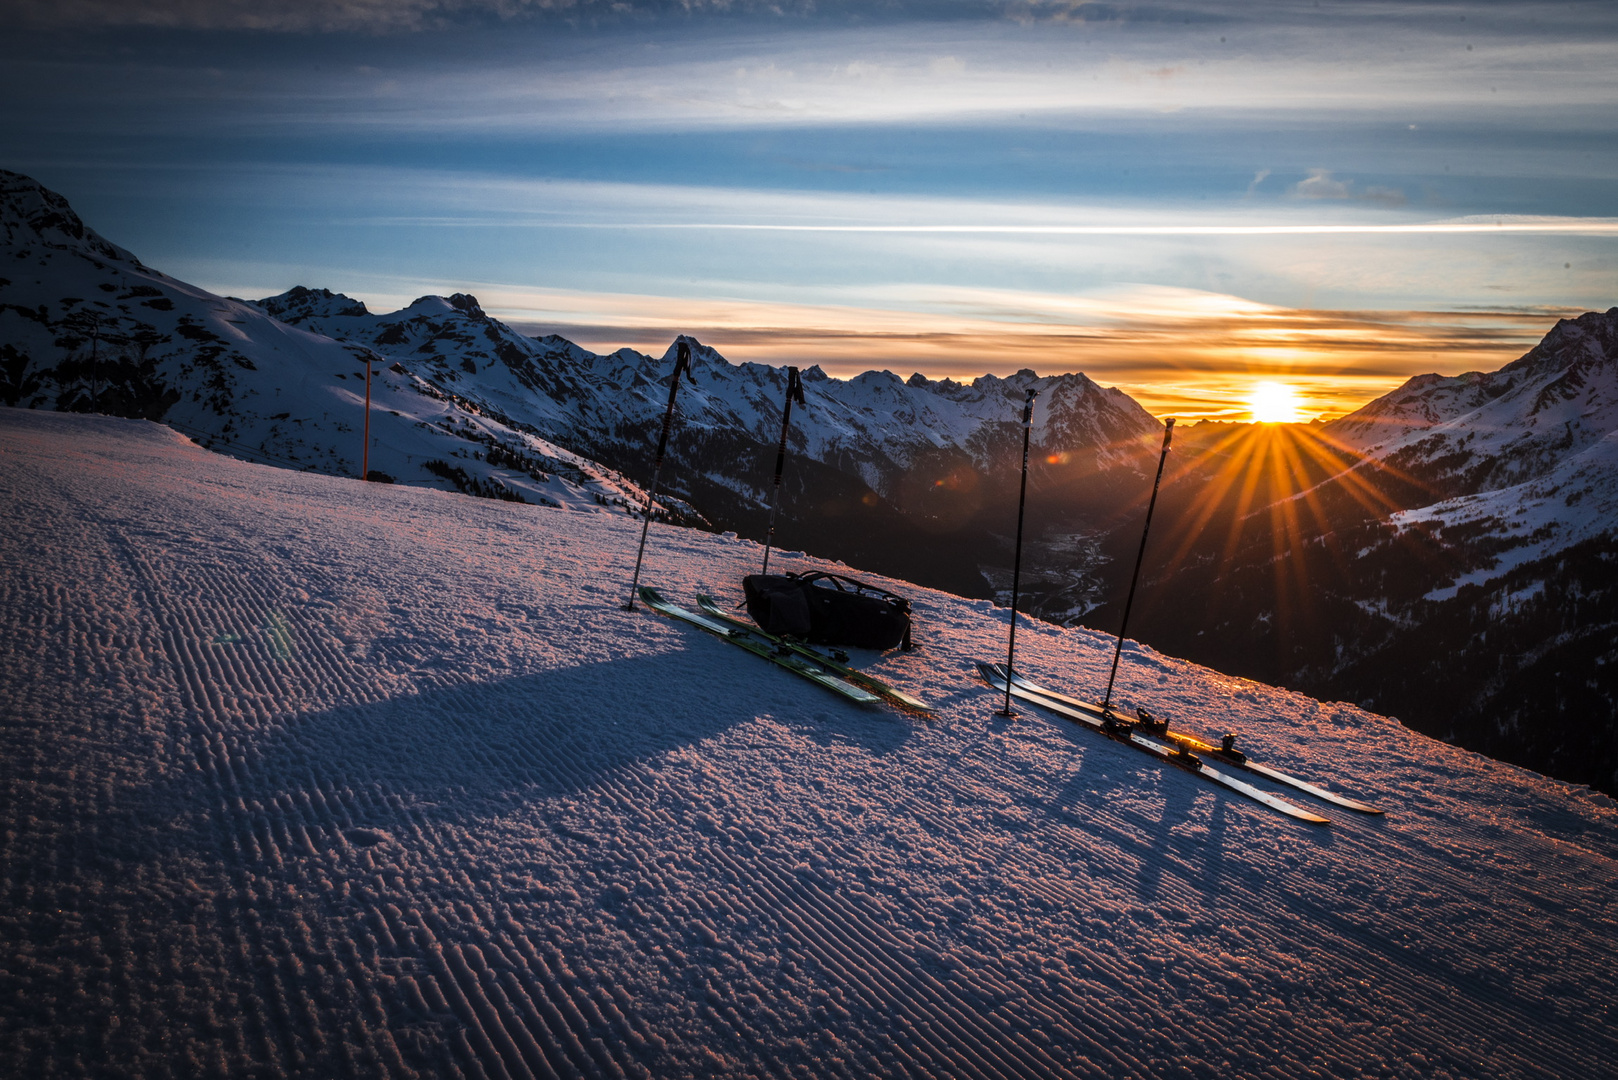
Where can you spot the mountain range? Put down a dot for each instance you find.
(1443, 554)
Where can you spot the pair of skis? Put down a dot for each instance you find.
(1176, 748)
(794, 656)
(1170, 747)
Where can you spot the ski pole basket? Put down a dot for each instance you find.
(828, 609)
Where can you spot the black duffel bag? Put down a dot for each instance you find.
(828, 609)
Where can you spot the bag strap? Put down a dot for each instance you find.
(860, 588)
(838, 581)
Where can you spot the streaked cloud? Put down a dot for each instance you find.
(867, 65)
(883, 75)
(281, 16)
(491, 201)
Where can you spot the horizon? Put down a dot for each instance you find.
(1264, 405)
(1183, 201)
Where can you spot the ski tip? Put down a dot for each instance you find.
(912, 706)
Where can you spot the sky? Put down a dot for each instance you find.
(1182, 199)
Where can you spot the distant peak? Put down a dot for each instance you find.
(299, 304)
(430, 305)
(1592, 335)
(466, 302)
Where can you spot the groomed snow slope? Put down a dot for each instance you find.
(308, 777)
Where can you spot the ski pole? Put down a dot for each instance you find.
(1016, 564)
(1168, 434)
(794, 393)
(365, 451)
(682, 364)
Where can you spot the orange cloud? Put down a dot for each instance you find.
(1179, 352)
(1196, 358)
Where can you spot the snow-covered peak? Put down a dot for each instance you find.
(1479, 431)
(437, 306)
(875, 423)
(299, 305)
(1422, 402)
(31, 213)
(1590, 338)
(89, 329)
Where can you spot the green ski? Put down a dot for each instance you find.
(758, 646)
(893, 694)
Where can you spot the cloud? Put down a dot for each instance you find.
(1320, 184)
(380, 16)
(474, 200)
(748, 63)
(363, 16)
(295, 16)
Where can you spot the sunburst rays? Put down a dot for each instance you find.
(1287, 484)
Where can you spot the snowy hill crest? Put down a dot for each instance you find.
(31, 214)
(875, 421)
(1479, 432)
(87, 327)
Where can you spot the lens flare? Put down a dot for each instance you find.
(1273, 403)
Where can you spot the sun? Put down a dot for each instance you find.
(1273, 403)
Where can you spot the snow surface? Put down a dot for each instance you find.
(308, 777)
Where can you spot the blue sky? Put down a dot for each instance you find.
(1179, 199)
